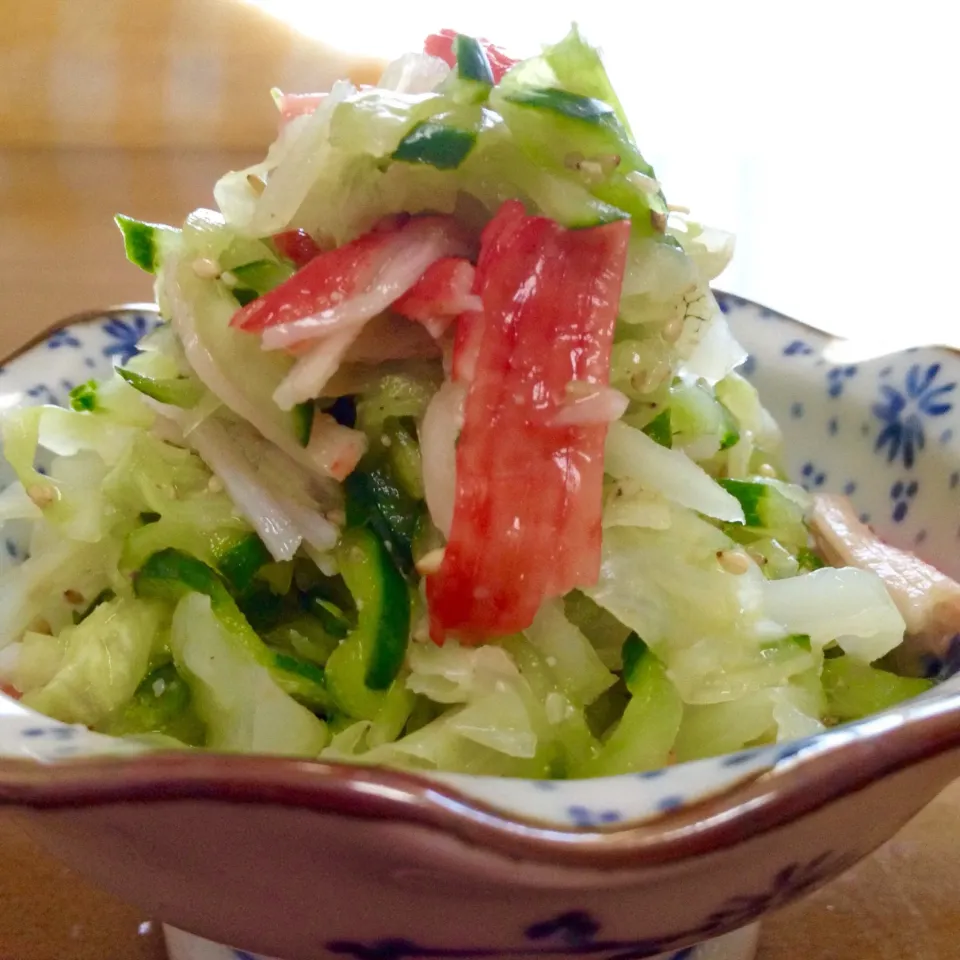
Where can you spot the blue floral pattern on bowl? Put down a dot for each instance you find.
(577, 933)
(125, 333)
(84, 350)
(882, 430)
(905, 411)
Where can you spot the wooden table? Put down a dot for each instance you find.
(60, 253)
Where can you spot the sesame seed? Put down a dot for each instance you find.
(672, 329)
(205, 268)
(734, 561)
(608, 162)
(73, 596)
(41, 494)
(430, 562)
(591, 169)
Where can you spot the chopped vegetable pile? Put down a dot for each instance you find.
(440, 460)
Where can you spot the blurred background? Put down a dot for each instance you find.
(821, 133)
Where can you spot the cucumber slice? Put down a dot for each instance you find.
(566, 104)
(161, 704)
(579, 68)
(241, 562)
(660, 428)
(775, 560)
(176, 391)
(376, 501)
(634, 650)
(854, 689)
(582, 136)
(171, 574)
(302, 415)
(260, 276)
(767, 511)
(404, 457)
(647, 731)
(144, 243)
(436, 143)
(700, 419)
(333, 620)
(366, 664)
(472, 62)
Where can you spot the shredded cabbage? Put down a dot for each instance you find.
(101, 662)
(240, 704)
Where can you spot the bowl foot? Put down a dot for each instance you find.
(738, 945)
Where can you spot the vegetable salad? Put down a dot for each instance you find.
(440, 459)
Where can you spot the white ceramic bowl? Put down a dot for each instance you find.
(310, 861)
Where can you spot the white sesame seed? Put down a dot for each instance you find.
(734, 561)
(41, 494)
(672, 329)
(205, 268)
(430, 562)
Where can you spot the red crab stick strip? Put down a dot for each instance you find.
(527, 511)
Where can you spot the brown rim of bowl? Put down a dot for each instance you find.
(759, 803)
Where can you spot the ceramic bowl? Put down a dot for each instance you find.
(311, 861)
